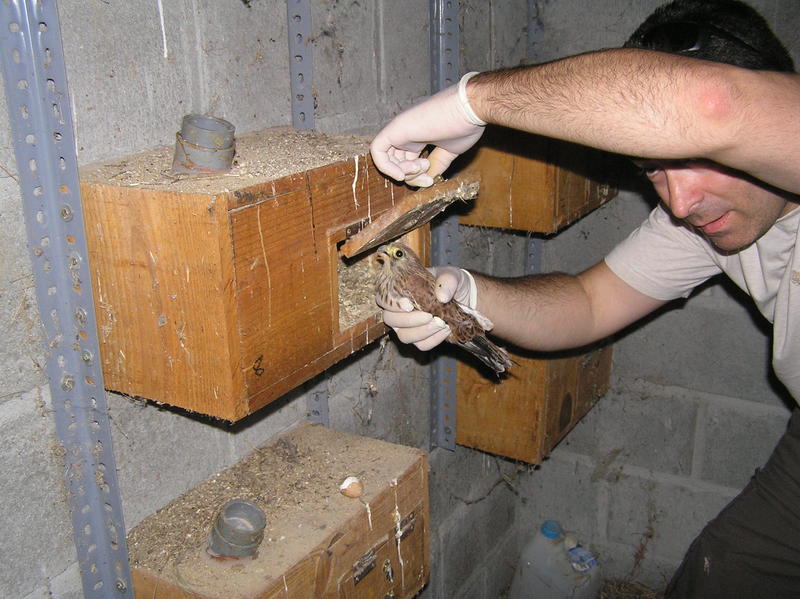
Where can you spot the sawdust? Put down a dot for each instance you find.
(260, 157)
(295, 480)
(356, 291)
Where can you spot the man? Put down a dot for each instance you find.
(705, 98)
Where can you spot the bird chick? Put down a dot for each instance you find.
(403, 275)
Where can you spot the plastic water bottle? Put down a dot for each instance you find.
(553, 565)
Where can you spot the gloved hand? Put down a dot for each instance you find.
(423, 329)
(445, 120)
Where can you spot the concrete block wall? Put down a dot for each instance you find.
(694, 408)
(136, 68)
(693, 411)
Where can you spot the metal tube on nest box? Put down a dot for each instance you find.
(238, 529)
(204, 145)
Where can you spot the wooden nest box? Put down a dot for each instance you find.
(219, 294)
(318, 543)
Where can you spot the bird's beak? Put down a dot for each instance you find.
(382, 254)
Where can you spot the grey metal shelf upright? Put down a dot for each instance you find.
(40, 115)
(445, 239)
(301, 63)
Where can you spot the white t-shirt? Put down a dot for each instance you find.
(666, 260)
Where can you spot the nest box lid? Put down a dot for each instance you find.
(412, 211)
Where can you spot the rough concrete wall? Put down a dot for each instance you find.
(131, 80)
(134, 69)
(473, 537)
(694, 407)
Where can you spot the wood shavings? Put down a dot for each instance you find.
(260, 157)
(356, 292)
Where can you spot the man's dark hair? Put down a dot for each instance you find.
(720, 30)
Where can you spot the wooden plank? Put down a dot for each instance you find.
(293, 379)
(288, 287)
(368, 578)
(536, 184)
(161, 297)
(282, 288)
(351, 191)
(345, 342)
(532, 196)
(259, 192)
(562, 381)
(516, 181)
(526, 414)
(220, 293)
(594, 377)
(491, 208)
(502, 417)
(147, 585)
(413, 211)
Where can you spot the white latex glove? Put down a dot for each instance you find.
(457, 284)
(445, 120)
(423, 329)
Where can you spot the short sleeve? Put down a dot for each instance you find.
(663, 259)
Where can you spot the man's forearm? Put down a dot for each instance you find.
(559, 311)
(608, 99)
(655, 105)
(542, 312)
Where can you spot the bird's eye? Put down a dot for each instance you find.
(398, 253)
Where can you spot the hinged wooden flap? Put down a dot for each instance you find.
(412, 212)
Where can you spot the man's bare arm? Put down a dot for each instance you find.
(559, 311)
(654, 105)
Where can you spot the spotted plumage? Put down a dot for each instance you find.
(403, 275)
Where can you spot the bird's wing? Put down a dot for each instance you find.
(485, 323)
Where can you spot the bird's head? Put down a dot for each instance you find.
(395, 256)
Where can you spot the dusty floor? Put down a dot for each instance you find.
(618, 589)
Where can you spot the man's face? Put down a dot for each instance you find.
(725, 206)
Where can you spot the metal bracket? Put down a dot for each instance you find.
(44, 144)
(445, 69)
(533, 256)
(301, 63)
(317, 406)
(444, 369)
(364, 565)
(445, 49)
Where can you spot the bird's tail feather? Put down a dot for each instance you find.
(493, 356)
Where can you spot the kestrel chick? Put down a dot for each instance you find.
(403, 275)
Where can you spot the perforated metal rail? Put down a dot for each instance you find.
(445, 238)
(301, 63)
(44, 144)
